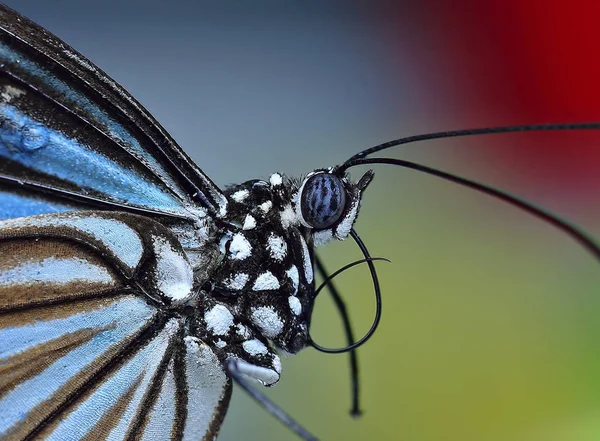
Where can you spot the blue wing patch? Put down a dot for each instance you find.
(17, 203)
(67, 161)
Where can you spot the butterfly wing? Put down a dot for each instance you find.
(88, 346)
(70, 137)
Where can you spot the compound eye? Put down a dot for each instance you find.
(323, 200)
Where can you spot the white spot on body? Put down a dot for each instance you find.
(237, 282)
(295, 305)
(268, 321)
(277, 247)
(249, 222)
(266, 206)
(239, 248)
(288, 216)
(275, 179)
(242, 330)
(307, 264)
(255, 347)
(220, 344)
(277, 364)
(240, 195)
(266, 281)
(294, 276)
(218, 320)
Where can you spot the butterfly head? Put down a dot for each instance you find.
(267, 270)
(327, 203)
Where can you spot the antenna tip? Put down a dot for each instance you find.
(356, 413)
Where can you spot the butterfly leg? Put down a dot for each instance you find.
(233, 370)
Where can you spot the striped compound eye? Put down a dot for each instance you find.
(323, 200)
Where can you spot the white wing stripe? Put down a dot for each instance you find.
(161, 419)
(206, 382)
(118, 237)
(56, 271)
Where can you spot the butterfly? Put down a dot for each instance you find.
(133, 289)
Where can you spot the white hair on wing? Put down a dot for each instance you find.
(174, 274)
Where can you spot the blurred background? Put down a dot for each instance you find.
(490, 329)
